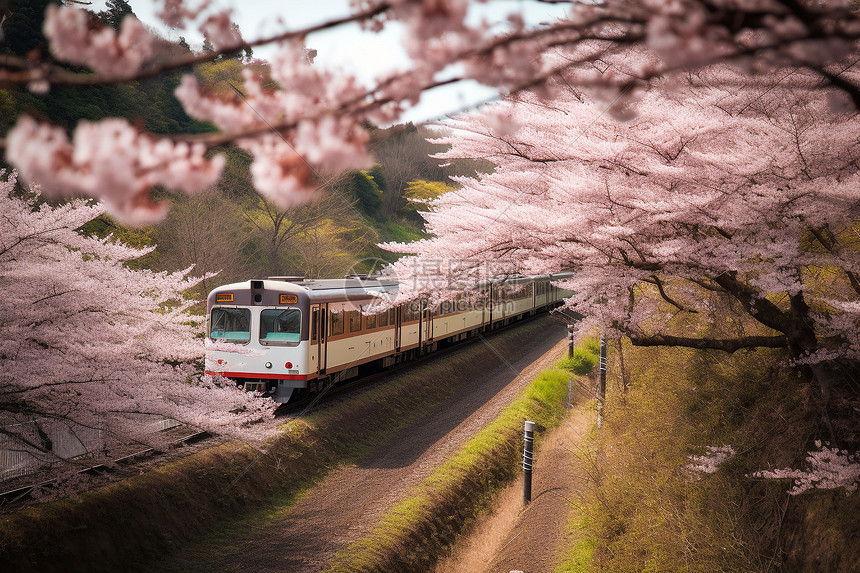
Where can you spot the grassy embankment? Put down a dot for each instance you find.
(418, 530)
(128, 524)
(646, 511)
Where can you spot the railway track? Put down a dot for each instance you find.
(298, 408)
(284, 413)
(23, 493)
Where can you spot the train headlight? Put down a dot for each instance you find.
(268, 364)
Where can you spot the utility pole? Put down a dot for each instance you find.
(570, 341)
(528, 458)
(601, 384)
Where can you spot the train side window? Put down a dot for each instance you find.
(410, 311)
(370, 321)
(392, 317)
(382, 319)
(336, 327)
(354, 321)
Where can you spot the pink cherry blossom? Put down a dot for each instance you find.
(103, 50)
(219, 29)
(706, 196)
(709, 462)
(287, 166)
(175, 13)
(112, 161)
(616, 49)
(89, 341)
(828, 468)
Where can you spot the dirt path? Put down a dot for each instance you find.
(528, 538)
(350, 501)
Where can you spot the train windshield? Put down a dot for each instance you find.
(280, 326)
(230, 325)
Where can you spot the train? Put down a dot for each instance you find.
(286, 337)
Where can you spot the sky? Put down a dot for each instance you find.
(365, 54)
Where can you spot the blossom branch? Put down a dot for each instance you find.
(59, 76)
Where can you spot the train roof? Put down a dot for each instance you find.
(349, 283)
(313, 290)
(326, 290)
(290, 283)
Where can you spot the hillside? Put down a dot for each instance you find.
(633, 498)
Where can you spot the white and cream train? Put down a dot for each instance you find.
(285, 334)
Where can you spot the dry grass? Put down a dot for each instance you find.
(648, 513)
(490, 535)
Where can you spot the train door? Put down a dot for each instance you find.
(430, 325)
(427, 321)
(321, 320)
(485, 307)
(314, 339)
(491, 298)
(398, 319)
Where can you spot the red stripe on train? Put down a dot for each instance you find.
(266, 376)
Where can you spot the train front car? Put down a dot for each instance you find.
(258, 336)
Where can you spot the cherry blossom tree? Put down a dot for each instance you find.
(311, 122)
(715, 210)
(89, 342)
(829, 468)
(723, 215)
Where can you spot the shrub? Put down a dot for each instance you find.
(583, 360)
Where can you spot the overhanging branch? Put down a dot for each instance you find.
(655, 280)
(726, 345)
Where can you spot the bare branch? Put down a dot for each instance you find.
(726, 345)
(655, 280)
